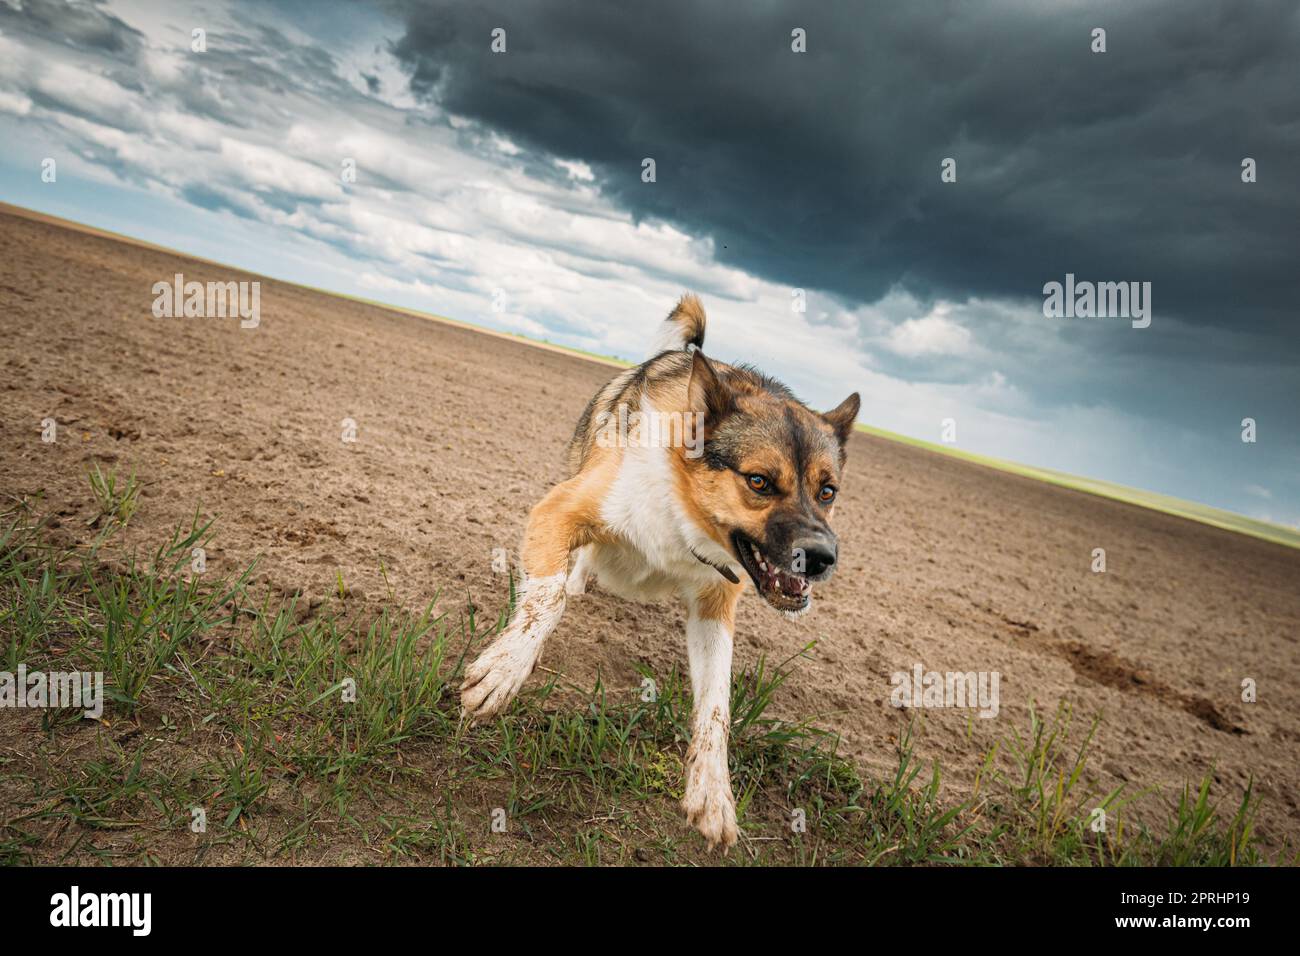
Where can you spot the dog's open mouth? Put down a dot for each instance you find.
(783, 589)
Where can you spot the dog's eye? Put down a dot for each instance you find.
(827, 494)
(758, 482)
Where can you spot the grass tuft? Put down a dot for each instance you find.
(116, 498)
(333, 736)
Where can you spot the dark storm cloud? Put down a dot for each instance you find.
(81, 26)
(822, 169)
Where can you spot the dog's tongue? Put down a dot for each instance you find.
(791, 585)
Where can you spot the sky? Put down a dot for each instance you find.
(508, 189)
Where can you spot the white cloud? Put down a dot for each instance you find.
(83, 91)
(15, 103)
(933, 334)
(576, 170)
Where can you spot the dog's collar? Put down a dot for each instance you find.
(722, 569)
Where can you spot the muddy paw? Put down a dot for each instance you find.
(712, 811)
(493, 680)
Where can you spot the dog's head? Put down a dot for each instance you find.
(769, 477)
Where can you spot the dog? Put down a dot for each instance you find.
(685, 474)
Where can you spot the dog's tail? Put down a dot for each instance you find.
(683, 328)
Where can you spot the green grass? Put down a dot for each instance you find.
(116, 498)
(334, 737)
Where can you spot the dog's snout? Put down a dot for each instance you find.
(820, 559)
(818, 554)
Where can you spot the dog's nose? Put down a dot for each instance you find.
(818, 555)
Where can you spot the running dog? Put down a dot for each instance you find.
(685, 474)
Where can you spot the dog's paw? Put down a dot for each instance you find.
(711, 809)
(493, 680)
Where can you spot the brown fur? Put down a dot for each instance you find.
(711, 489)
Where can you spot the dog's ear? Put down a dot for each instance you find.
(706, 391)
(843, 415)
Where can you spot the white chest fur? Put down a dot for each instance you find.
(651, 557)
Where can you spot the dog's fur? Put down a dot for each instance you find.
(650, 521)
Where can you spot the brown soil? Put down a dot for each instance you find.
(944, 563)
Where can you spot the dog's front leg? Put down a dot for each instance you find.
(709, 804)
(560, 522)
